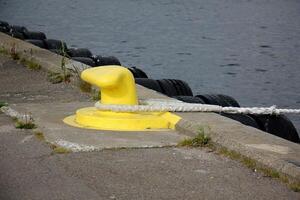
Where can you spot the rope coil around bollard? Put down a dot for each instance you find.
(161, 105)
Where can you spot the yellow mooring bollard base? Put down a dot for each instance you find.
(118, 87)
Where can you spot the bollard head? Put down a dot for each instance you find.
(116, 83)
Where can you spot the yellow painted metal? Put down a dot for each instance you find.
(116, 84)
(118, 87)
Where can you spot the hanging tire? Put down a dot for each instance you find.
(149, 83)
(178, 88)
(39, 43)
(230, 101)
(242, 118)
(189, 99)
(278, 125)
(16, 34)
(87, 61)
(4, 30)
(209, 99)
(20, 29)
(34, 35)
(174, 87)
(4, 27)
(226, 101)
(55, 44)
(167, 87)
(137, 73)
(219, 99)
(80, 52)
(103, 61)
(184, 87)
(4, 24)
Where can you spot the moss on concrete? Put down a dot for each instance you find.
(85, 87)
(61, 150)
(55, 149)
(58, 149)
(40, 136)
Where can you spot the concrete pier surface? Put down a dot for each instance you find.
(118, 165)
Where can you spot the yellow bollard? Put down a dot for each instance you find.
(118, 87)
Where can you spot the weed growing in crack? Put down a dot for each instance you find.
(40, 136)
(84, 86)
(201, 140)
(30, 64)
(2, 104)
(26, 123)
(66, 75)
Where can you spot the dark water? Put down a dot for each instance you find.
(248, 49)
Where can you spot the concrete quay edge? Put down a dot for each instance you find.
(267, 150)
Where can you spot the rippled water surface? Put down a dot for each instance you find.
(248, 49)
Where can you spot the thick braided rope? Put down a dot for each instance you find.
(160, 105)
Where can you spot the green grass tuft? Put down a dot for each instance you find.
(30, 64)
(2, 103)
(25, 125)
(201, 140)
(55, 77)
(4, 51)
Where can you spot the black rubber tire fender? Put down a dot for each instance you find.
(208, 99)
(4, 24)
(186, 87)
(85, 60)
(39, 43)
(79, 52)
(4, 30)
(278, 125)
(178, 88)
(149, 83)
(20, 29)
(242, 118)
(108, 60)
(16, 34)
(34, 35)
(4, 27)
(230, 101)
(167, 87)
(137, 73)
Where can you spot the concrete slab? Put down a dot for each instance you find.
(49, 116)
(268, 150)
(18, 84)
(29, 170)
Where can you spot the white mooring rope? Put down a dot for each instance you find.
(162, 105)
